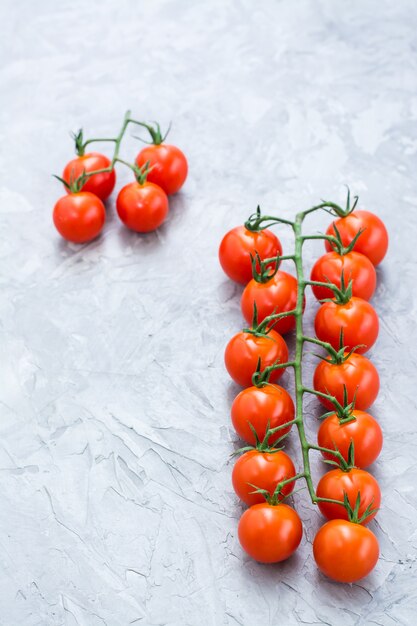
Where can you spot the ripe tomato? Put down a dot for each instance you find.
(238, 244)
(357, 373)
(357, 318)
(336, 483)
(264, 470)
(345, 551)
(355, 266)
(244, 351)
(372, 242)
(261, 406)
(169, 166)
(277, 295)
(79, 217)
(364, 431)
(100, 185)
(142, 207)
(270, 533)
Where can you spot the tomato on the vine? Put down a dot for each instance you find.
(270, 533)
(372, 242)
(337, 482)
(168, 165)
(100, 185)
(263, 470)
(358, 320)
(142, 207)
(277, 295)
(239, 244)
(262, 407)
(363, 431)
(244, 350)
(354, 266)
(345, 551)
(79, 217)
(357, 373)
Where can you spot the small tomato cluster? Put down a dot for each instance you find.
(159, 170)
(345, 382)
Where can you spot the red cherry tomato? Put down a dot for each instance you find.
(262, 406)
(355, 266)
(264, 470)
(357, 373)
(169, 166)
(142, 207)
(277, 295)
(364, 431)
(100, 185)
(357, 318)
(244, 351)
(336, 483)
(238, 244)
(79, 217)
(372, 242)
(344, 551)
(270, 533)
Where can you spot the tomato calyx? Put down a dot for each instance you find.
(268, 323)
(336, 209)
(337, 244)
(75, 185)
(257, 222)
(154, 130)
(263, 446)
(335, 357)
(341, 463)
(342, 294)
(266, 272)
(353, 512)
(277, 497)
(260, 378)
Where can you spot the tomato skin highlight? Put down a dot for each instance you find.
(337, 482)
(238, 244)
(357, 318)
(364, 431)
(169, 166)
(357, 373)
(344, 551)
(355, 266)
(277, 295)
(100, 185)
(270, 533)
(372, 242)
(79, 217)
(244, 350)
(264, 470)
(142, 207)
(271, 405)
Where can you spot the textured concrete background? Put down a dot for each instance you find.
(116, 504)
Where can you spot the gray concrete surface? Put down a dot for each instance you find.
(116, 503)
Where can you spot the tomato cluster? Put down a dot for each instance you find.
(345, 381)
(142, 205)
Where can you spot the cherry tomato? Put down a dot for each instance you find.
(357, 373)
(345, 551)
(245, 349)
(372, 242)
(270, 533)
(142, 207)
(336, 483)
(264, 470)
(262, 406)
(354, 265)
(238, 244)
(169, 166)
(364, 431)
(357, 318)
(79, 217)
(100, 185)
(277, 295)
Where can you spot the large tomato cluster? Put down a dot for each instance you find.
(142, 205)
(345, 381)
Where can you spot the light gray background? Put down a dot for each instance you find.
(116, 505)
